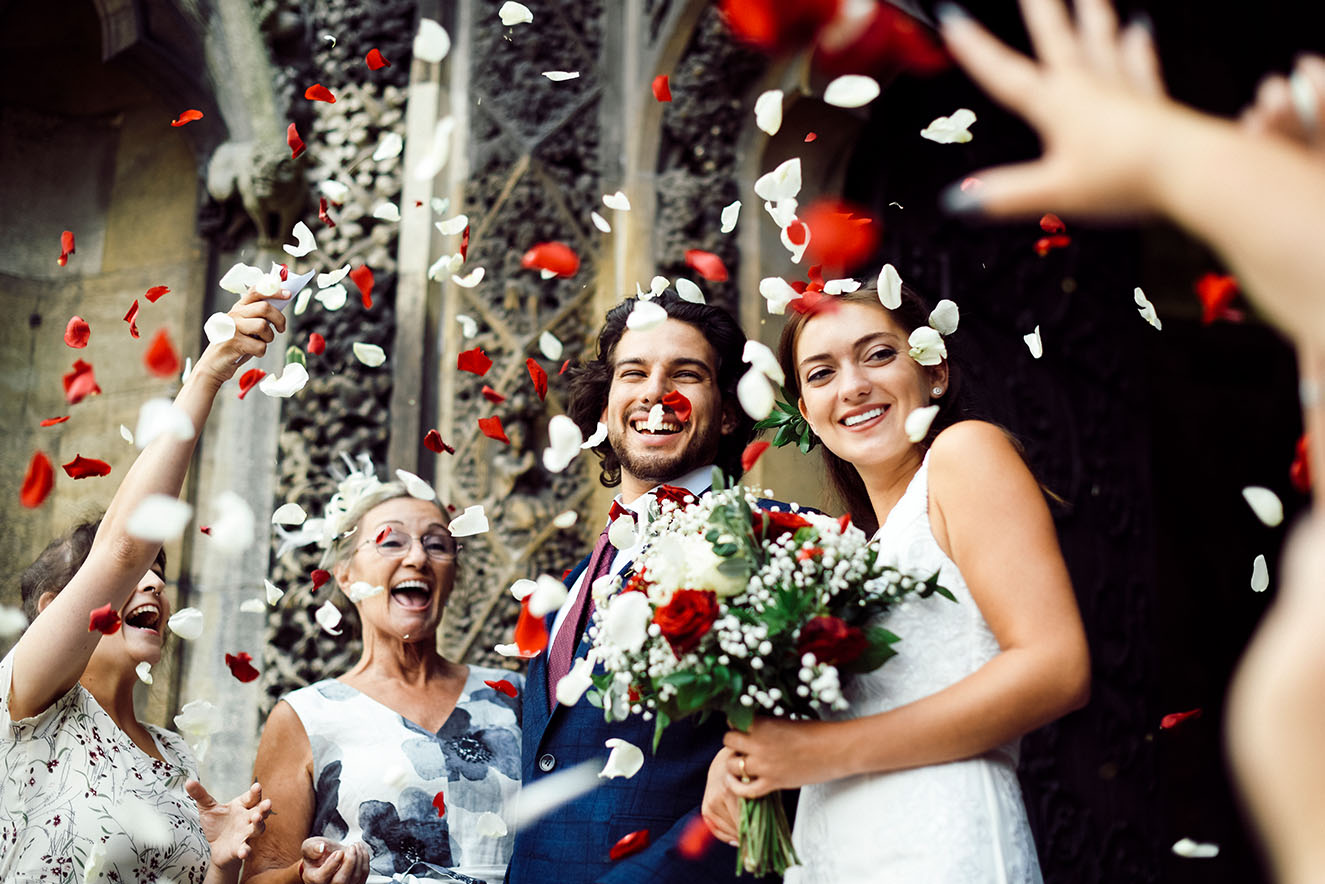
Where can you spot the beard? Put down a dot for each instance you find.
(657, 467)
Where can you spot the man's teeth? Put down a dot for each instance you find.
(862, 417)
(658, 427)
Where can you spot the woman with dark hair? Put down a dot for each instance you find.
(917, 781)
(87, 791)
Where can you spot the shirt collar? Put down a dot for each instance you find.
(697, 481)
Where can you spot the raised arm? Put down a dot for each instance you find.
(52, 654)
(1115, 145)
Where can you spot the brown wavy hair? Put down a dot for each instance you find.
(60, 561)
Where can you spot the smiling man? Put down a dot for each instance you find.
(654, 437)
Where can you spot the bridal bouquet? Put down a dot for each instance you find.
(737, 609)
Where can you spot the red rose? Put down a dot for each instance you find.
(637, 582)
(681, 497)
(779, 523)
(831, 641)
(686, 618)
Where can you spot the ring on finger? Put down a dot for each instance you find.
(745, 777)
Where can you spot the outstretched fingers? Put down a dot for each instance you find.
(1009, 77)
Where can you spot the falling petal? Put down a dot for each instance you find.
(439, 151)
(662, 89)
(370, 355)
(470, 279)
(126, 434)
(274, 592)
(778, 293)
(187, 117)
(432, 440)
(219, 327)
(731, 213)
(144, 672)
(52, 421)
(318, 92)
(617, 201)
(851, 90)
(621, 534)
(416, 486)
(291, 514)
(472, 521)
(491, 427)
(131, 317)
(240, 278)
(768, 111)
(950, 130)
(474, 361)
(890, 287)
(66, 247)
(104, 620)
(761, 357)
(161, 358)
(291, 381)
(159, 517)
(707, 265)
(468, 327)
(538, 375)
(1189, 849)
(375, 61)
(489, 824)
(546, 793)
(80, 383)
(328, 617)
(1051, 223)
(1173, 719)
(597, 438)
(360, 590)
(295, 143)
(549, 346)
(389, 147)
(751, 454)
(305, 242)
(626, 759)
(332, 297)
(565, 519)
(944, 317)
(755, 394)
(1033, 343)
(784, 182)
(561, 76)
(645, 315)
(388, 212)
(159, 417)
(431, 43)
(86, 467)
(232, 529)
(1146, 308)
(564, 441)
(77, 332)
(241, 667)
(512, 13)
(600, 222)
(37, 481)
(688, 291)
(548, 596)
(841, 286)
(197, 721)
(502, 686)
(555, 258)
(918, 422)
(186, 623)
(1260, 575)
(249, 379)
(1265, 504)
(253, 606)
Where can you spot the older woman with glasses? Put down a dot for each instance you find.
(406, 764)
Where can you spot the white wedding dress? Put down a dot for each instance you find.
(958, 823)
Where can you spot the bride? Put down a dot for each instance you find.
(917, 781)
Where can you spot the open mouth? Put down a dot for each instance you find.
(857, 419)
(412, 594)
(146, 616)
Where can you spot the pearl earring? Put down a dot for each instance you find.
(937, 391)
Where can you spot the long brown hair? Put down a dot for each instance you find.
(845, 481)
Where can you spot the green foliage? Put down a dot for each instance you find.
(791, 427)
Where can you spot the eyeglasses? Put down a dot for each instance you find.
(392, 543)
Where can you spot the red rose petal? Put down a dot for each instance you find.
(707, 265)
(375, 61)
(1299, 473)
(66, 247)
(285, 271)
(161, 358)
(131, 317)
(155, 292)
(889, 42)
(241, 666)
(363, 278)
(475, 361)
(778, 25)
(319, 577)
(432, 440)
(1173, 719)
(841, 235)
(80, 383)
(530, 631)
(84, 467)
(37, 481)
(1216, 293)
(679, 405)
(1051, 223)
(318, 92)
(205, 529)
(502, 687)
(187, 117)
(565, 365)
(317, 345)
(843, 521)
(1045, 244)
(632, 843)
(464, 244)
(810, 136)
(323, 215)
(491, 427)
(696, 838)
(538, 376)
(662, 89)
(492, 395)
(439, 802)
(554, 257)
(52, 421)
(77, 332)
(249, 379)
(751, 454)
(105, 620)
(294, 141)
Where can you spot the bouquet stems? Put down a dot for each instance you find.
(765, 837)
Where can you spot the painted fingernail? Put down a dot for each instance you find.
(956, 201)
(1141, 19)
(950, 12)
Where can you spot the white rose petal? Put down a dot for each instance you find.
(1260, 575)
(488, 824)
(186, 623)
(468, 327)
(144, 672)
(625, 760)
(918, 421)
(1265, 504)
(12, 622)
(565, 518)
(446, 265)
(731, 213)
(471, 521)
(654, 423)
(431, 43)
(944, 317)
(218, 327)
(600, 222)
(332, 297)
(512, 13)
(851, 90)
(762, 358)
(360, 590)
(509, 650)
(890, 287)
(370, 355)
(232, 529)
(927, 347)
(778, 293)
(574, 683)
(160, 417)
(599, 434)
(305, 242)
(240, 278)
(626, 621)
(841, 286)
(783, 211)
(657, 286)
(470, 279)
(290, 381)
(253, 606)
(389, 147)
(561, 76)
(548, 596)
(198, 718)
(545, 794)
(1034, 344)
(440, 151)
(149, 828)
(289, 514)
(768, 111)
(645, 315)
(617, 201)
(688, 291)
(126, 434)
(334, 191)
(1189, 849)
(621, 533)
(755, 394)
(784, 182)
(1147, 309)
(523, 588)
(950, 130)
(453, 226)
(416, 486)
(564, 441)
(389, 212)
(159, 517)
(550, 346)
(328, 617)
(335, 276)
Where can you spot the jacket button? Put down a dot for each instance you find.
(546, 762)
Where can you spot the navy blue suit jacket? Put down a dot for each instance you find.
(570, 845)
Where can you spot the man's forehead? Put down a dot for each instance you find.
(671, 341)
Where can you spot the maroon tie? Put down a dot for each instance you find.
(562, 653)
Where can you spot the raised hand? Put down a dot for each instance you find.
(258, 319)
(1292, 107)
(228, 827)
(329, 862)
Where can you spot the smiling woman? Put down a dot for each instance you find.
(408, 762)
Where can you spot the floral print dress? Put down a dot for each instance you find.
(415, 796)
(79, 801)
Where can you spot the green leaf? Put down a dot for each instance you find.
(719, 481)
(784, 436)
(661, 720)
(594, 698)
(741, 717)
(878, 652)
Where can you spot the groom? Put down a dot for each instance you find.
(695, 351)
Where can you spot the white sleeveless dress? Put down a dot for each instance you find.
(957, 823)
